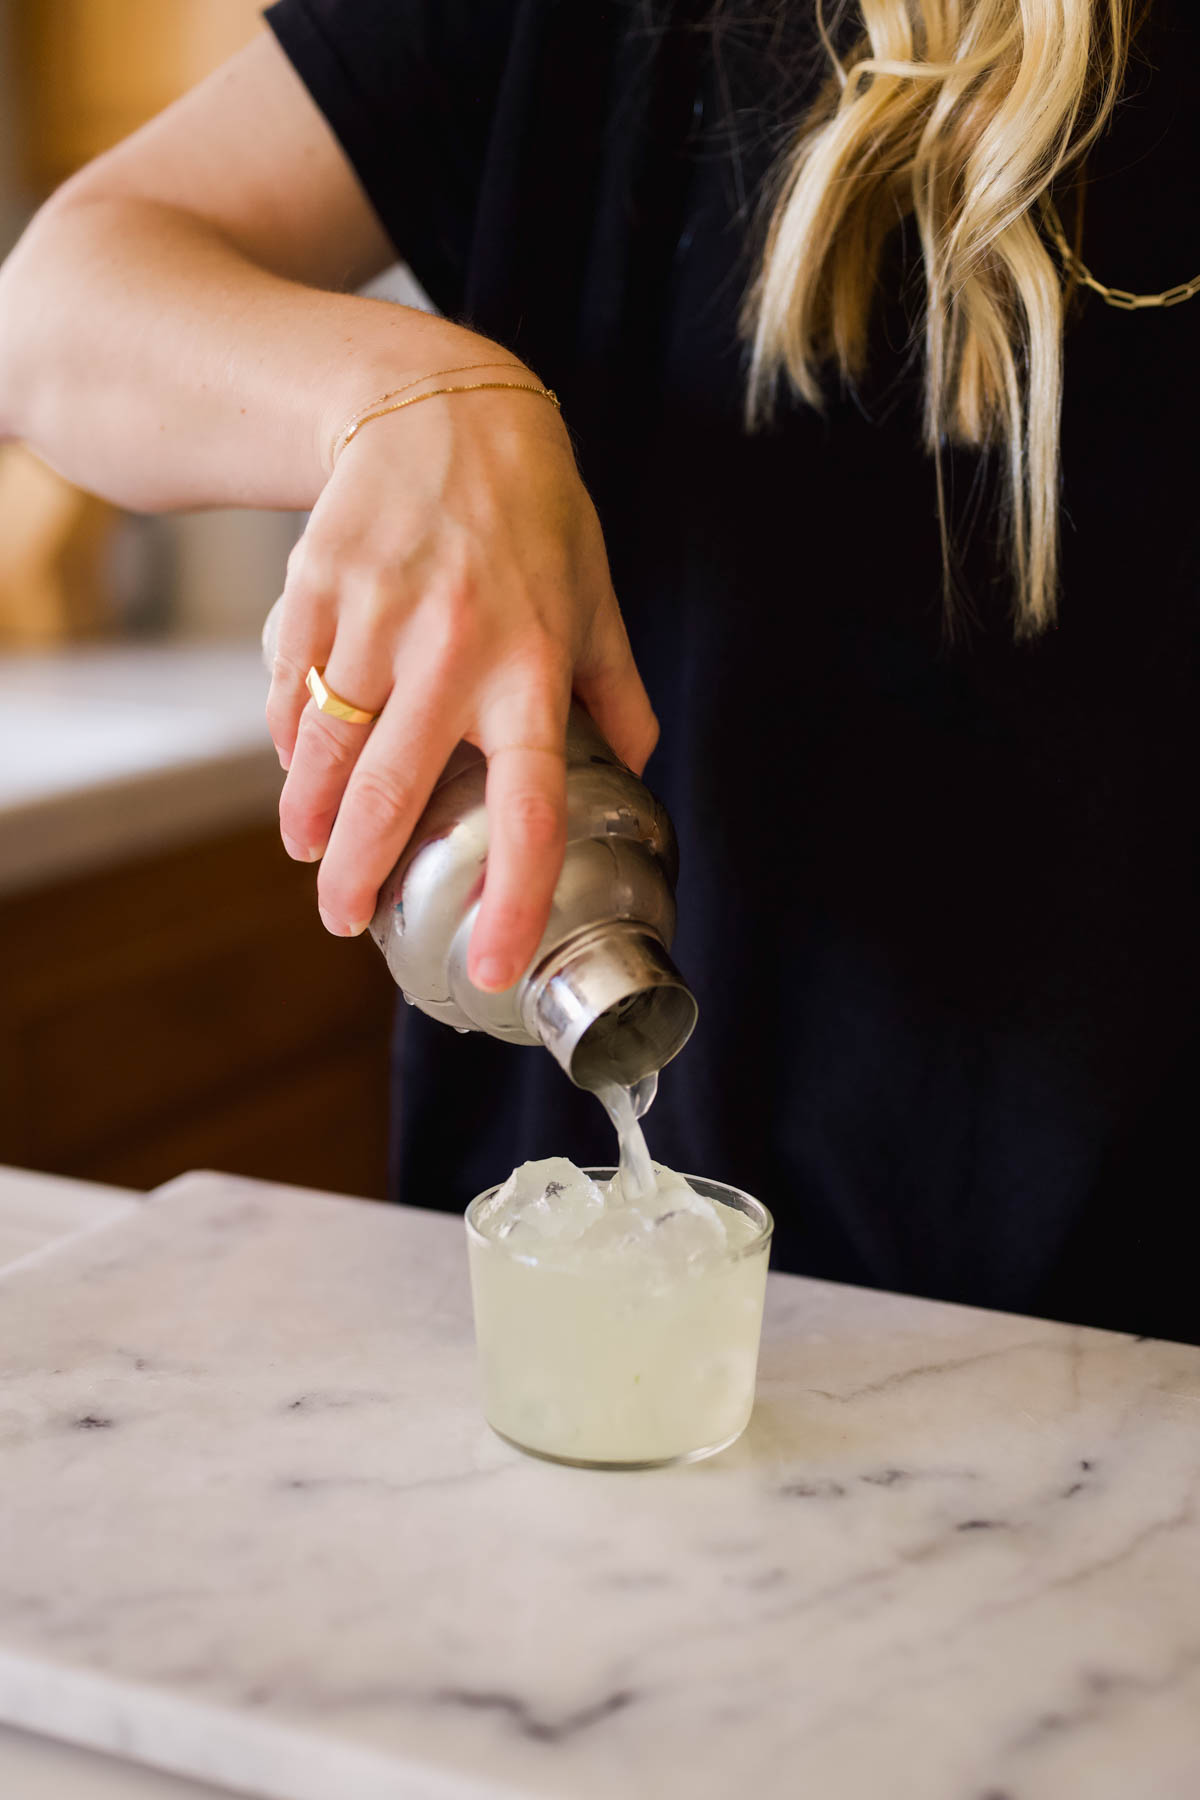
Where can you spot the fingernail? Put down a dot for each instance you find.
(493, 974)
(302, 852)
(285, 758)
(338, 928)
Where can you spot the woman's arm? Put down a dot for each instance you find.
(163, 337)
(169, 337)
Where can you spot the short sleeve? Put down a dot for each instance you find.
(409, 89)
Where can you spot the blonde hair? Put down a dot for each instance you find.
(958, 113)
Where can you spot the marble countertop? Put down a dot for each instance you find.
(37, 1212)
(255, 1532)
(111, 751)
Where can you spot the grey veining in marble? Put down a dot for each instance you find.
(38, 1211)
(252, 1528)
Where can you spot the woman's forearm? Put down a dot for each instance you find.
(148, 359)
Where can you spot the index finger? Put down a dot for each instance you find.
(525, 746)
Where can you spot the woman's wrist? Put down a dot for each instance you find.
(428, 351)
(458, 378)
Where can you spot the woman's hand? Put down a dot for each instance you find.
(453, 579)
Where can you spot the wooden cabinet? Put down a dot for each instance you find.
(190, 1011)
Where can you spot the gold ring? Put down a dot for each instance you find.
(333, 704)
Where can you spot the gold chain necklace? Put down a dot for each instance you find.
(1117, 297)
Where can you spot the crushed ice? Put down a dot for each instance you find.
(551, 1211)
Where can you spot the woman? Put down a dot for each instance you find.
(933, 779)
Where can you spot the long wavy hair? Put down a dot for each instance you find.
(958, 114)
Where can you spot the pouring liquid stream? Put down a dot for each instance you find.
(626, 1106)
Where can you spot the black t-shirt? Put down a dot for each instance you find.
(938, 899)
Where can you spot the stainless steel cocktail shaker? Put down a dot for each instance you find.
(601, 992)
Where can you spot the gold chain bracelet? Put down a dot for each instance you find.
(388, 403)
(1118, 297)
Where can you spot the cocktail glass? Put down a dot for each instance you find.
(617, 1363)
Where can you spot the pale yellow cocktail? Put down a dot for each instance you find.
(617, 1334)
